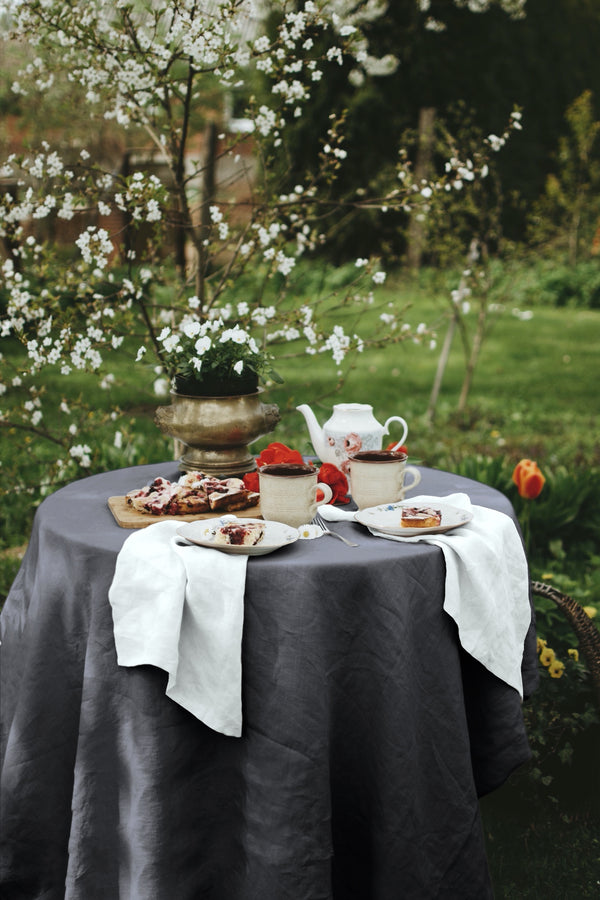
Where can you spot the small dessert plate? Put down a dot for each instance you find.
(386, 518)
(202, 534)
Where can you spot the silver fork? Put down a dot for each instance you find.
(318, 520)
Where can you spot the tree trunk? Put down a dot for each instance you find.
(454, 321)
(416, 227)
(208, 184)
(208, 197)
(441, 368)
(473, 359)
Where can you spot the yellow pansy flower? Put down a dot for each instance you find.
(573, 653)
(556, 669)
(541, 643)
(591, 611)
(547, 656)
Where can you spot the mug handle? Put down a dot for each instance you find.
(328, 493)
(386, 430)
(416, 477)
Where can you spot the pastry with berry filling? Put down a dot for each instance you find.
(194, 493)
(246, 534)
(156, 498)
(420, 517)
(229, 494)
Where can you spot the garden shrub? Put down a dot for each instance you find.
(562, 530)
(564, 285)
(567, 511)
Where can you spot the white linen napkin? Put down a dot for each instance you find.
(182, 609)
(336, 513)
(487, 583)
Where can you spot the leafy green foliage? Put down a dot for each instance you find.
(574, 286)
(562, 528)
(568, 211)
(568, 511)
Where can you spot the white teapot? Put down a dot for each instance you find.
(352, 427)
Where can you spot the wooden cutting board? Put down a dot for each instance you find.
(127, 517)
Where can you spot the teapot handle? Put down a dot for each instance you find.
(404, 433)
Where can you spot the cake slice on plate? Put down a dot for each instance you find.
(420, 517)
(246, 534)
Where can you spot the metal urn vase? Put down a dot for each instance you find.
(215, 431)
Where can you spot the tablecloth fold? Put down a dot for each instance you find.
(487, 583)
(181, 608)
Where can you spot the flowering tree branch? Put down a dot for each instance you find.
(161, 70)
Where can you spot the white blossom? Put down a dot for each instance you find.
(495, 142)
(235, 334)
(171, 343)
(161, 387)
(81, 453)
(191, 328)
(202, 345)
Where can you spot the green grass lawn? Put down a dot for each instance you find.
(534, 392)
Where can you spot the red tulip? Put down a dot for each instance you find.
(337, 481)
(528, 479)
(250, 480)
(278, 453)
(402, 449)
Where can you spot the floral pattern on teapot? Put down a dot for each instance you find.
(344, 445)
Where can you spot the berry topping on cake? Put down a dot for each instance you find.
(194, 493)
(420, 517)
(246, 534)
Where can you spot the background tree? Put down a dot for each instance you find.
(490, 62)
(569, 210)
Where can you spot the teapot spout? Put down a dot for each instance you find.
(315, 431)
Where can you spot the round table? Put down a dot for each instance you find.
(368, 732)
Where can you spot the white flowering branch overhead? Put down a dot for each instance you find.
(163, 73)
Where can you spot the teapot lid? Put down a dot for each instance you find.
(352, 406)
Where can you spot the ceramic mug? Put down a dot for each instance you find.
(288, 493)
(377, 477)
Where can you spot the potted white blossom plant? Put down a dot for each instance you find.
(216, 408)
(212, 358)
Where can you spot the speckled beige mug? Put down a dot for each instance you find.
(288, 493)
(377, 476)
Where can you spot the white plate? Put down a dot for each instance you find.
(386, 518)
(202, 533)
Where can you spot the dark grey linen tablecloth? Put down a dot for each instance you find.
(368, 733)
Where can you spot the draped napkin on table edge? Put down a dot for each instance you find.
(182, 609)
(487, 583)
